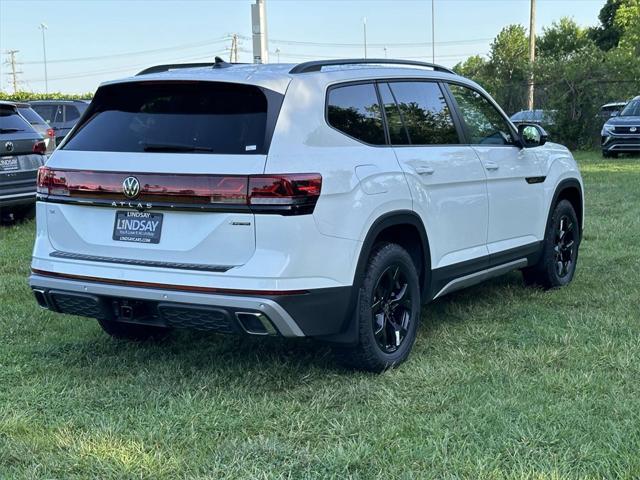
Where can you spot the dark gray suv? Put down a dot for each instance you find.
(621, 133)
(61, 115)
(22, 151)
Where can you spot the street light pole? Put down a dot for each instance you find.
(43, 27)
(433, 32)
(364, 24)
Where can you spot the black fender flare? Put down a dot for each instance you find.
(398, 217)
(566, 184)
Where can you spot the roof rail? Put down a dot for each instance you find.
(218, 63)
(316, 65)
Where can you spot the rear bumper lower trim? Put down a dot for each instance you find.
(276, 313)
(142, 263)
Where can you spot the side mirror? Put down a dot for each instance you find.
(532, 135)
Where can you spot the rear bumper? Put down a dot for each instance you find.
(320, 312)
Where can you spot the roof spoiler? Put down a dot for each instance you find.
(316, 65)
(218, 63)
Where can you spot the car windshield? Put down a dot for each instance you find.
(632, 109)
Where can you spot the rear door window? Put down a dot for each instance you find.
(355, 111)
(425, 113)
(182, 117)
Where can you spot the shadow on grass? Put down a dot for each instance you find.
(193, 353)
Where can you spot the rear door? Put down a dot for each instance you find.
(446, 179)
(517, 212)
(158, 174)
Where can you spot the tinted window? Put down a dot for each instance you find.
(207, 117)
(71, 113)
(397, 132)
(425, 113)
(354, 110)
(485, 124)
(50, 113)
(32, 117)
(11, 121)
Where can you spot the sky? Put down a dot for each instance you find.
(92, 41)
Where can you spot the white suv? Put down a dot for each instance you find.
(327, 200)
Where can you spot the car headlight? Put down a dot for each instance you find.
(607, 128)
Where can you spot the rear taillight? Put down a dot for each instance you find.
(291, 194)
(51, 133)
(295, 194)
(40, 147)
(51, 182)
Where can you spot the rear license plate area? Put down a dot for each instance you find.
(9, 164)
(137, 227)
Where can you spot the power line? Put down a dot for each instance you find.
(369, 44)
(185, 46)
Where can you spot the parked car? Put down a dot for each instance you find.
(61, 115)
(328, 199)
(22, 151)
(39, 124)
(609, 110)
(544, 118)
(621, 133)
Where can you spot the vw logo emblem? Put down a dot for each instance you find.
(633, 129)
(131, 187)
(8, 146)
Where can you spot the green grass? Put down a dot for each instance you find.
(504, 382)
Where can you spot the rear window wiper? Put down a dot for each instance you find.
(11, 130)
(173, 147)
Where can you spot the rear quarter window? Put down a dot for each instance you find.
(355, 111)
(198, 117)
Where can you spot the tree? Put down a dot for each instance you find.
(509, 67)
(627, 20)
(562, 39)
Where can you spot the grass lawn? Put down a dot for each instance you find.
(504, 382)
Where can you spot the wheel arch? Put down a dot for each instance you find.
(403, 227)
(569, 189)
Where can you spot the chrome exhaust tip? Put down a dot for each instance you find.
(255, 323)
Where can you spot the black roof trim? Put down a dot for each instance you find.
(218, 63)
(316, 65)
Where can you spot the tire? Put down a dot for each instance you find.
(132, 331)
(557, 265)
(388, 311)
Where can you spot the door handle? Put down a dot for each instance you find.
(424, 170)
(491, 166)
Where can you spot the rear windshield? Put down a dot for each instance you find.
(32, 117)
(11, 121)
(50, 113)
(183, 117)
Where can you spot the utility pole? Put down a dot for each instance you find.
(233, 51)
(364, 25)
(43, 27)
(259, 28)
(433, 31)
(386, 52)
(278, 54)
(14, 73)
(532, 53)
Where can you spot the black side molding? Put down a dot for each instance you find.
(533, 180)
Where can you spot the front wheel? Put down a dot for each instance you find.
(557, 265)
(388, 311)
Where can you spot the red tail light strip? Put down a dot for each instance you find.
(291, 194)
(163, 286)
